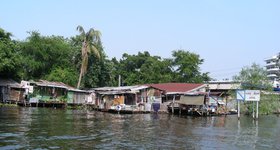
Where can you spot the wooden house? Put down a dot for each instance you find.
(79, 97)
(174, 91)
(11, 91)
(220, 94)
(132, 98)
(48, 92)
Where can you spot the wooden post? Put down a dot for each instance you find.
(257, 111)
(173, 104)
(226, 103)
(238, 109)
(180, 110)
(253, 110)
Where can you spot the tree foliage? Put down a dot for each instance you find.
(47, 57)
(99, 69)
(144, 68)
(10, 59)
(186, 65)
(56, 58)
(90, 40)
(253, 78)
(42, 54)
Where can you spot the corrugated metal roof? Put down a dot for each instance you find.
(9, 82)
(121, 88)
(115, 92)
(223, 86)
(177, 87)
(80, 91)
(54, 84)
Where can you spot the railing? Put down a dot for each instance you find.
(273, 70)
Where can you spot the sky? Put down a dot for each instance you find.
(228, 35)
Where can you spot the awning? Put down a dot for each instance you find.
(191, 100)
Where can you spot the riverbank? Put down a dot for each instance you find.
(8, 105)
(269, 104)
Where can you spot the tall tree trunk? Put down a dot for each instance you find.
(80, 77)
(82, 64)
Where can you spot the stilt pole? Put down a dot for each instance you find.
(238, 109)
(253, 110)
(173, 104)
(257, 112)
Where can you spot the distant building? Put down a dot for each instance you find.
(273, 70)
(175, 90)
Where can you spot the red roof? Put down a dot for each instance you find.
(176, 87)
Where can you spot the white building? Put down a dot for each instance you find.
(273, 70)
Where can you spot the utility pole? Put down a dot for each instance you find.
(120, 79)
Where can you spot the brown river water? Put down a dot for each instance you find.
(47, 128)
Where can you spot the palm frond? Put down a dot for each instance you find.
(93, 35)
(81, 30)
(95, 51)
(98, 36)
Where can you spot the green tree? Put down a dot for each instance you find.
(65, 75)
(156, 70)
(10, 60)
(186, 67)
(42, 55)
(89, 39)
(144, 68)
(141, 69)
(99, 69)
(253, 78)
(5, 35)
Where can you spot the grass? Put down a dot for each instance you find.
(268, 104)
(8, 105)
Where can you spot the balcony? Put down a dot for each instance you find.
(272, 76)
(270, 64)
(275, 57)
(273, 70)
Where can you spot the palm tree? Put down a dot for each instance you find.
(89, 39)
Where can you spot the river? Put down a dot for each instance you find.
(47, 128)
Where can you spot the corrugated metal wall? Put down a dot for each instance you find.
(80, 98)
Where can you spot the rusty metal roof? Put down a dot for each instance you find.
(171, 88)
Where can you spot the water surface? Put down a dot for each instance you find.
(47, 128)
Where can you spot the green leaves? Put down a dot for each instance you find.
(253, 78)
(66, 75)
(10, 59)
(42, 54)
(56, 58)
(186, 67)
(144, 68)
(89, 42)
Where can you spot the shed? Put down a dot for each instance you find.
(130, 97)
(46, 91)
(11, 91)
(76, 96)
